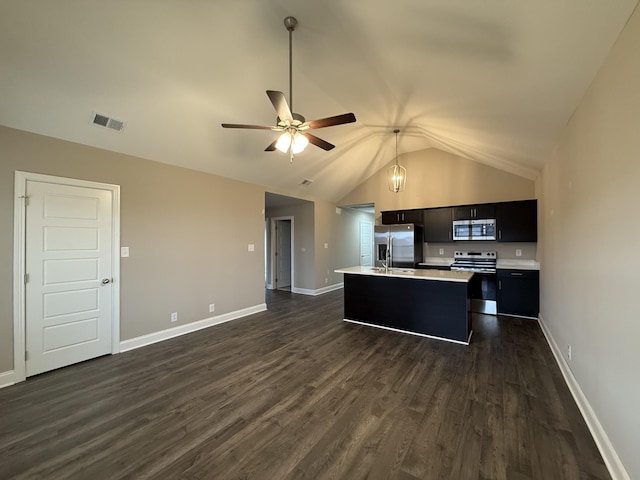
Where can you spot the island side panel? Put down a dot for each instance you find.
(430, 307)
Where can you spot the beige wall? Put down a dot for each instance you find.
(339, 229)
(187, 231)
(436, 178)
(589, 231)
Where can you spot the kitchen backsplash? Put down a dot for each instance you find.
(506, 251)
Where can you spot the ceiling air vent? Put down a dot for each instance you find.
(106, 121)
(306, 182)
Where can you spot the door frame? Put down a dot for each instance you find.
(274, 221)
(19, 245)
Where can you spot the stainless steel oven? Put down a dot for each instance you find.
(480, 229)
(483, 285)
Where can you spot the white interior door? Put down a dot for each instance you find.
(68, 258)
(283, 253)
(366, 244)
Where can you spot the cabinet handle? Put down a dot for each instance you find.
(499, 234)
(499, 284)
(449, 233)
(515, 274)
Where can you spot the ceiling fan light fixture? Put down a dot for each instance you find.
(397, 173)
(299, 143)
(292, 140)
(284, 142)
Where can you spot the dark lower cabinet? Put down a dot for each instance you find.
(518, 292)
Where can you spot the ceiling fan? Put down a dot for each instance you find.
(295, 129)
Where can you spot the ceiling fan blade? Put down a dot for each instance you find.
(239, 125)
(331, 121)
(318, 142)
(280, 104)
(272, 146)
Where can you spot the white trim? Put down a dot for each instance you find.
(7, 379)
(319, 291)
(411, 333)
(162, 335)
(609, 455)
(19, 243)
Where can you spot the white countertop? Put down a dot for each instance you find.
(437, 262)
(443, 275)
(519, 264)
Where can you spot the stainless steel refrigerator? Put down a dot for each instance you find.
(401, 244)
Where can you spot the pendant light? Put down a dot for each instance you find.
(397, 173)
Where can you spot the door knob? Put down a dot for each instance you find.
(106, 280)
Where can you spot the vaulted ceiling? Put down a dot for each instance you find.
(493, 81)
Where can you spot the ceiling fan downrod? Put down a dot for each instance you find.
(290, 23)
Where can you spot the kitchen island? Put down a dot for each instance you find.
(429, 303)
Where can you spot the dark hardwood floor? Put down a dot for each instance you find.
(295, 393)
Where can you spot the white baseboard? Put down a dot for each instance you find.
(609, 455)
(155, 337)
(319, 291)
(7, 378)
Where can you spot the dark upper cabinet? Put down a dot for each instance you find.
(471, 212)
(517, 221)
(438, 226)
(518, 292)
(402, 216)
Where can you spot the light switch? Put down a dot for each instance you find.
(326, 245)
(124, 252)
(251, 247)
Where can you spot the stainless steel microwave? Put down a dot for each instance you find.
(482, 229)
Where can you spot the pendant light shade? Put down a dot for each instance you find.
(397, 173)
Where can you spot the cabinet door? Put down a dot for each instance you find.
(471, 212)
(485, 210)
(413, 216)
(391, 217)
(402, 216)
(518, 292)
(438, 226)
(517, 221)
(463, 213)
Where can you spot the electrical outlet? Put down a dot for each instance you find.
(212, 307)
(251, 247)
(569, 352)
(174, 317)
(518, 252)
(441, 251)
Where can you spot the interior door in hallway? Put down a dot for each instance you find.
(366, 244)
(68, 289)
(283, 254)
